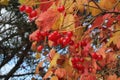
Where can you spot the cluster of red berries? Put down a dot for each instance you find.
(62, 39)
(96, 56)
(77, 63)
(39, 37)
(29, 10)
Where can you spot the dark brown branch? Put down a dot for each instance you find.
(20, 61)
(18, 75)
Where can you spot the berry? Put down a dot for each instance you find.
(28, 9)
(39, 48)
(22, 8)
(99, 57)
(83, 43)
(61, 8)
(70, 34)
(94, 55)
(71, 42)
(81, 59)
(33, 14)
(44, 33)
(90, 69)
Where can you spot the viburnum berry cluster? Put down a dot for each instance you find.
(29, 10)
(82, 37)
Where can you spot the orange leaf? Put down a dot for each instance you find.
(112, 77)
(60, 72)
(40, 65)
(48, 74)
(46, 20)
(54, 78)
(45, 4)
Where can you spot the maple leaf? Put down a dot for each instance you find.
(51, 54)
(47, 19)
(45, 4)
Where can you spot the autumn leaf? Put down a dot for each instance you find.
(40, 65)
(37, 55)
(60, 72)
(51, 54)
(53, 63)
(112, 77)
(88, 76)
(69, 23)
(54, 78)
(94, 9)
(48, 74)
(45, 4)
(46, 20)
(4, 2)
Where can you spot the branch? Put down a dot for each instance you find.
(18, 75)
(20, 61)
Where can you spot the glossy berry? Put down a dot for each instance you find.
(70, 34)
(44, 33)
(90, 69)
(22, 8)
(33, 14)
(39, 48)
(99, 57)
(61, 8)
(28, 9)
(94, 55)
(81, 60)
(83, 43)
(71, 42)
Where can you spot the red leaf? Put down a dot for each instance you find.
(45, 4)
(98, 21)
(46, 20)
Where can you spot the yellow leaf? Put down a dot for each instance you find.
(94, 9)
(21, 1)
(69, 23)
(80, 5)
(37, 55)
(53, 63)
(57, 24)
(54, 78)
(4, 2)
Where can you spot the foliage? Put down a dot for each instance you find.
(82, 36)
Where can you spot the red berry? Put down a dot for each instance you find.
(90, 69)
(94, 55)
(61, 8)
(70, 34)
(39, 48)
(22, 8)
(99, 57)
(76, 45)
(44, 33)
(33, 14)
(71, 42)
(28, 9)
(83, 43)
(80, 67)
(81, 59)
